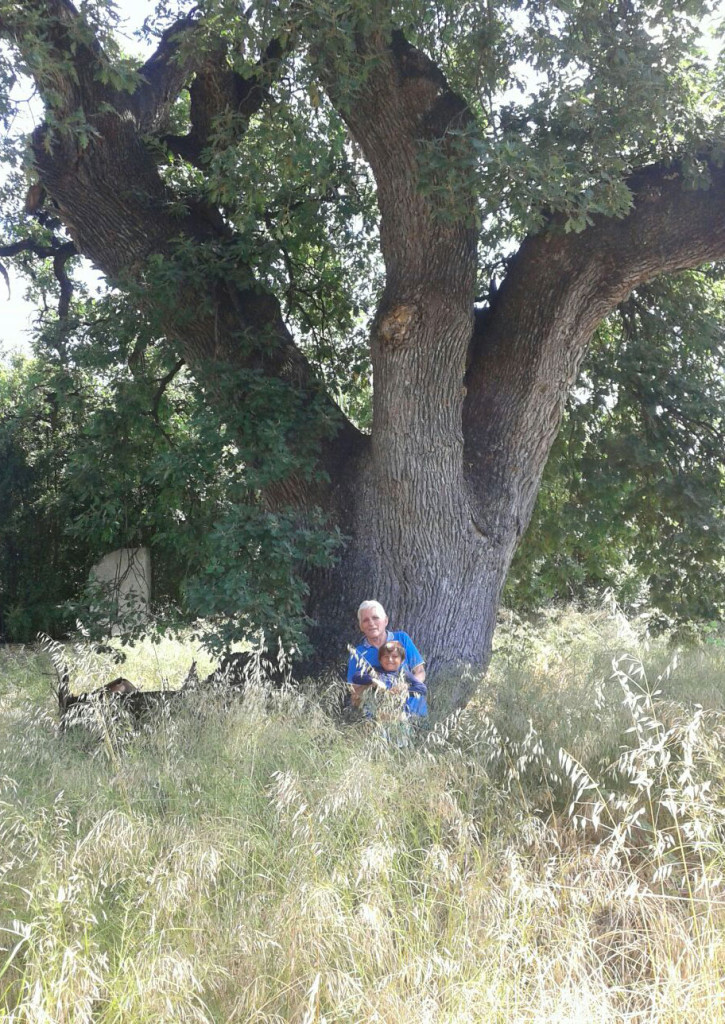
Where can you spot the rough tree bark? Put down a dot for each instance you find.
(466, 406)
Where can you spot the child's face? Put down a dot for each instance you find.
(391, 661)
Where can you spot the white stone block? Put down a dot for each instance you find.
(123, 580)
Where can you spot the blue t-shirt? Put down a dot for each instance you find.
(366, 656)
(415, 703)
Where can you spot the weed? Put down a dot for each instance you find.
(555, 851)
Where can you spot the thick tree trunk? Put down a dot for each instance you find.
(412, 543)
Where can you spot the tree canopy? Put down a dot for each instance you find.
(446, 198)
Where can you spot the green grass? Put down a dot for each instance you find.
(553, 853)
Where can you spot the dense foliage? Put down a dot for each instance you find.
(97, 455)
(360, 251)
(633, 495)
(101, 451)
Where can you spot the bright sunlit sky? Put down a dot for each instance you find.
(16, 314)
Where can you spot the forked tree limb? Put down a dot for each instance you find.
(215, 90)
(527, 349)
(119, 211)
(60, 253)
(37, 248)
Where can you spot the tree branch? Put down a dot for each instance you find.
(163, 383)
(63, 41)
(60, 253)
(217, 89)
(34, 246)
(66, 285)
(181, 262)
(671, 227)
(401, 108)
(166, 72)
(68, 41)
(525, 356)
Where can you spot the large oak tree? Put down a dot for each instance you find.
(570, 150)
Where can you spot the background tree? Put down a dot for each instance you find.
(632, 496)
(99, 454)
(227, 217)
(34, 578)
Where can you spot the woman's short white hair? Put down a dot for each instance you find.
(370, 604)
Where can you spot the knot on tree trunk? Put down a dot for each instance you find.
(394, 327)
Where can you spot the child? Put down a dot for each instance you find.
(394, 678)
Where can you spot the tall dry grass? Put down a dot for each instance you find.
(553, 853)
